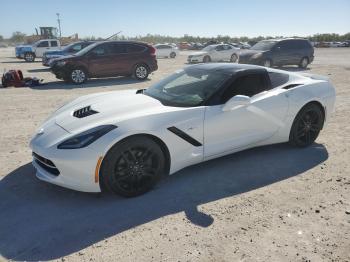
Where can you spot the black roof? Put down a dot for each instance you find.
(229, 68)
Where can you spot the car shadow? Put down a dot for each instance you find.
(40, 221)
(39, 70)
(95, 82)
(20, 62)
(293, 68)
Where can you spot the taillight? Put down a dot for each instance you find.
(152, 50)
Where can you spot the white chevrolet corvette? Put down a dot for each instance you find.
(125, 141)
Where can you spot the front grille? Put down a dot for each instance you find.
(84, 112)
(46, 164)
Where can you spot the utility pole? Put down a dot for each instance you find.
(59, 23)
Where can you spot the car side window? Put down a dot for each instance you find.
(287, 45)
(53, 43)
(135, 48)
(219, 48)
(248, 85)
(76, 48)
(99, 50)
(44, 44)
(227, 47)
(118, 48)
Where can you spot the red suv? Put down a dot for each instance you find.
(106, 59)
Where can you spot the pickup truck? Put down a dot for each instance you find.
(30, 52)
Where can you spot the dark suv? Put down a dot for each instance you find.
(279, 52)
(106, 59)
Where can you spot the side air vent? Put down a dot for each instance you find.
(291, 86)
(84, 112)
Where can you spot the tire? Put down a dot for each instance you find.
(306, 125)
(77, 76)
(304, 62)
(172, 55)
(133, 166)
(29, 57)
(234, 58)
(267, 63)
(141, 72)
(206, 59)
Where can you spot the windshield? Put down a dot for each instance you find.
(67, 47)
(187, 88)
(263, 45)
(86, 49)
(208, 48)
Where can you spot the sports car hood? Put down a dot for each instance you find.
(111, 108)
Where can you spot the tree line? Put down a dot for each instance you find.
(19, 37)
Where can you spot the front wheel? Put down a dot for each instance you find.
(78, 76)
(206, 59)
(234, 58)
(141, 72)
(306, 126)
(304, 63)
(29, 57)
(172, 55)
(133, 166)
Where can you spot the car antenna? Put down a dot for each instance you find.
(112, 36)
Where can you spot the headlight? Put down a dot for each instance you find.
(61, 63)
(86, 138)
(256, 56)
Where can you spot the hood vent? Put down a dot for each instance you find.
(84, 112)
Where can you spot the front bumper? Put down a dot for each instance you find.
(75, 168)
(250, 60)
(59, 72)
(195, 59)
(45, 61)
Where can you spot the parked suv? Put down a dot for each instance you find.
(30, 52)
(105, 59)
(279, 52)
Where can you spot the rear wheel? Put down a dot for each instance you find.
(306, 126)
(78, 76)
(304, 62)
(172, 55)
(133, 166)
(29, 57)
(141, 72)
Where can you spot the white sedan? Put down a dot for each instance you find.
(125, 141)
(164, 50)
(215, 53)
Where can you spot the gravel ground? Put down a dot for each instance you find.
(274, 203)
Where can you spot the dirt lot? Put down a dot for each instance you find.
(273, 203)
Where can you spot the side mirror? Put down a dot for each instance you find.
(233, 102)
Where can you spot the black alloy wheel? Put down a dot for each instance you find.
(133, 166)
(306, 126)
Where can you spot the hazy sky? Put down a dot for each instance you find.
(177, 17)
